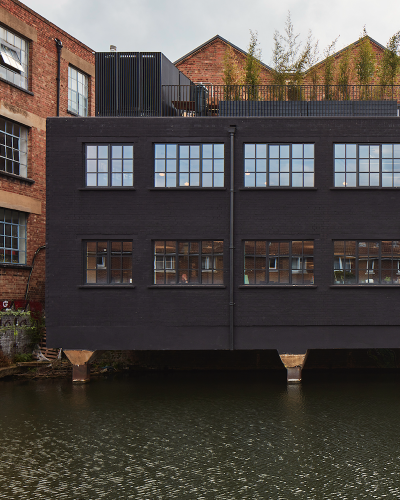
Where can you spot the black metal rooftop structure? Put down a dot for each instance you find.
(131, 83)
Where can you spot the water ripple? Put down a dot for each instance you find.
(200, 436)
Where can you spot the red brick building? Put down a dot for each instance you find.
(353, 50)
(33, 52)
(205, 64)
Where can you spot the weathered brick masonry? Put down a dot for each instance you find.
(30, 108)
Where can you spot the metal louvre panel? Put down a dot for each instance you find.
(128, 84)
(150, 79)
(106, 84)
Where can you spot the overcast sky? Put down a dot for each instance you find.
(175, 27)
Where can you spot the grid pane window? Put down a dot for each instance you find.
(189, 165)
(367, 165)
(367, 262)
(278, 262)
(14, 52)
(108, 262)
(390, 165)
(78, 84)
(279, 165)
(12, 236)
(188, 262)
(109, 165)
(13, 148)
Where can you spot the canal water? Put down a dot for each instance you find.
(198, 435)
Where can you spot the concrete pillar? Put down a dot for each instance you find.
(80, 364)
(294, 364)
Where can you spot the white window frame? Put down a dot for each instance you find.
(78, 102)
(14, 55)
(13, 237)
(10, 56)
(14, 157)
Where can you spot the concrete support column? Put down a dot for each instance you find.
(294, 364)
(80, 364)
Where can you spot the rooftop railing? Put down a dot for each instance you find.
(279, 100)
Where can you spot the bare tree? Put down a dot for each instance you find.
(365, 59)
(291, 57)
(252, 67)
(233, 75)
(390, 61)
(329, 69)
(344, 75)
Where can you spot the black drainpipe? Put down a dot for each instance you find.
(231, 131)
(59, 47)
(30, 273)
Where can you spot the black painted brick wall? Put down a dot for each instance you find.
(145, 318)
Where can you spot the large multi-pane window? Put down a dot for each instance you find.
(78, 84)
(366, 262)
(367, 165)
(278, 262)
(279, 165)
(14, 52)
(13, 148)
(109, 165)
(189, 165)
(12, 237)
(188, 262)
(108, 262)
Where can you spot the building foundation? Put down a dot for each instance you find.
(294, 364)
(80, 361)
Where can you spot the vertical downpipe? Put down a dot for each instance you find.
(231, 131)
(59, 47)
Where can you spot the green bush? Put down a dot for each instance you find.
(22, 358)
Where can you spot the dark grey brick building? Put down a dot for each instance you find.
(139, 227)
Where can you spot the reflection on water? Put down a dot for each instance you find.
(201, 436)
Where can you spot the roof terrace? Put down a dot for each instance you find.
(148, 84)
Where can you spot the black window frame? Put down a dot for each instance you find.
(107, 267)
(178, 258)
(348, 275)
(340, 177)
(180, 173)
(268, 172)
(109, 160)
(275, 271)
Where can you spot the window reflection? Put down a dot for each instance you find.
(108, 262)
(278, 262)
(188, 262)
(367, 262)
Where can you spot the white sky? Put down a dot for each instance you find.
(175, 27)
